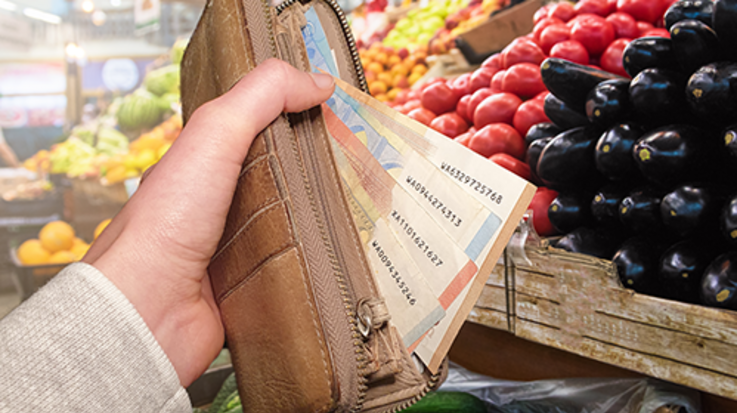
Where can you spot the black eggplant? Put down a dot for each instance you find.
(590, 241)
(691, 209)
(728, 220)
(681, 267)
(712, 92)
(670, 154)
(639, 211)
(569, 211)
(541, 130)
(730, 140)
(656, 95)
(608, 102)
(700, 10)
(637, 263)
(605, 204)
(567, 161)
(613, 152)
(563, 115)
(719, 283)
(695, 44)
(533, 155)
(723, 22)
(571, 82)
(649, 52)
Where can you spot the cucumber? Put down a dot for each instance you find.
(448, 402)
(226, 390)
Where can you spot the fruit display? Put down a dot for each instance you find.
(56, 244)
(642, 159)
(391, 72)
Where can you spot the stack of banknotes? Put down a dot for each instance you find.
(434, 217)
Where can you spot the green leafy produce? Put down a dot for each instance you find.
(163, 80)
(228, 388)
(177, 51)
(84, 134)
(231, 405)
(448, 402)
(139, 110)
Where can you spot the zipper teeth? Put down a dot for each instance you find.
(342, 285)
(430, 384)
(347, 33)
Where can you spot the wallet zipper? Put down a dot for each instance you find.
(347, 34)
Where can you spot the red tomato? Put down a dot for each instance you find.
(414, 94)
(645, 10)
(541, 96)
(522, 50)
(461, 85)
(541, 13)
(439, 98)
(528, 114)
(493, 62)
(402, 97)
(496, 138)
(644, 27)
(611, 59)
(553, 35)
(624, 25)
(432, 81)
(462, 107)
(612, 5)
(449, 124)
(540, 26)
(477, 97)
(422, 115)
(562, 10)
(540, 203)
(410, 106)
(512, 164)
(656, 33)
(463, 138)
(581, 17)
(499, 107)
(481, 77)
(572, 51)
(496, 81)
(523, 79)
(594, 34)
(598, 7)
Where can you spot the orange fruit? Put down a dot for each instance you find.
(56, 236)
(370, 76)
(32, 252)
(375, 67)
(385, 78)
(413, 78)
(400, 81)
(377, 88)
(421, 69)
(79, 251)
(393, 61)
(101, 227)
(392, 94)
(63, 257)
(382, 97)
(382, 58)
(78, 241)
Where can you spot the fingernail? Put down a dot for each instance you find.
(322, 80)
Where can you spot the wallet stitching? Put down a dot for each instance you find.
(252, 164)
(256, 269)
(256, 217)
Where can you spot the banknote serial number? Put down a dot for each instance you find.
(472, 182)
(409, 230)
(434, 201)
(387, 262)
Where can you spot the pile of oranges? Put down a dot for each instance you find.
(57, 243)
(388, 71)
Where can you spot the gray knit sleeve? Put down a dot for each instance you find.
(78, 345)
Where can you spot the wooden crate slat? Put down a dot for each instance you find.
(490, 318)
(497, 277)
(493, 298)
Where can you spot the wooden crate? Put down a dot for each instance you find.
(576, 303)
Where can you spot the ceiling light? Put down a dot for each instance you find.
(88, 6)
(6, 5)
(115, 3)
(42, 15)
(99, 17)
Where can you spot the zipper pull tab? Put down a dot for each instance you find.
(372, 315)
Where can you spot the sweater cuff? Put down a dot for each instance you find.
(79, 344)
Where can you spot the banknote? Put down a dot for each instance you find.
(318, 50)
(444, 264)
(414, 306)
(497, 189)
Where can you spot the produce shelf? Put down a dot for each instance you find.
(576, 303)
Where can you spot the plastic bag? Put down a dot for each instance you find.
(574, 395)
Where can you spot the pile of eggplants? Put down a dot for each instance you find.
(646, 167)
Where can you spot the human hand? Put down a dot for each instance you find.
(157, 249)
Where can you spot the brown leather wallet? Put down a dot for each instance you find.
(304, 319)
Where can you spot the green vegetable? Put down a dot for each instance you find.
(448, 402)
(232, 403)
(163, 80)
(139, 110)
(111, 142)
(228, 388)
